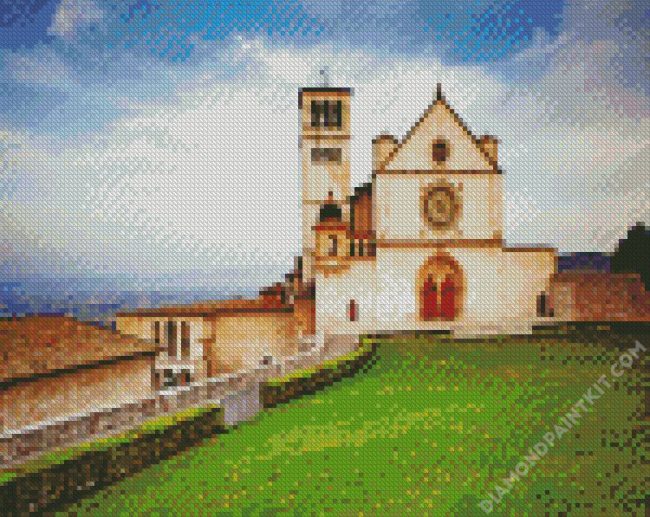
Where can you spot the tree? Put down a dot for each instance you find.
(632, 254)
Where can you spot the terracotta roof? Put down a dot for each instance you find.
(272, 289)
(307, 291)
(36, 345)
(212, 308)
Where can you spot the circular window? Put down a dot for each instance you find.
(439, 206)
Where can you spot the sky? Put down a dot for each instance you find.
(147, 138)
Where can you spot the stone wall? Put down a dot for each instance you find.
(599, 296)
(282, 390)
(62, 396)
(61, 478)
(237, 393)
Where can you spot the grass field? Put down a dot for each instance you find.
(430, 429)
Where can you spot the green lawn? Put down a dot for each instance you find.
(429, 430)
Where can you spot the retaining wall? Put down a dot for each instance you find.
(61, 478)
(237, 393)
(277, 391)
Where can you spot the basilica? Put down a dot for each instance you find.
(417, 248)
(420, 246)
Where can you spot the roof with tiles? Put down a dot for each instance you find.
(32, 346)
(212, 308)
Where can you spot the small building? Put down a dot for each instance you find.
(207, 339)
(55, 367)
(597, 296)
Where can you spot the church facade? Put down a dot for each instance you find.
(419, 247)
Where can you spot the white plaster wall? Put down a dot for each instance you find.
(319, 178)
(398, 210)
(500, 291)
(334, 292)
(530, 274)
(439, 123)
(241, 340)
(310, 213)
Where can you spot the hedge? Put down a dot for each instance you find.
(577, 327)
(64, 475)
(310, 380)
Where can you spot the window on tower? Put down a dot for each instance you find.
(326, 154)
(172, 338)
(333, 114)
(326, 113)
(317, 114)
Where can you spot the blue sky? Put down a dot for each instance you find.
(131, 46)
(133, 132)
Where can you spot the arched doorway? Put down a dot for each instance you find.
(440, 289)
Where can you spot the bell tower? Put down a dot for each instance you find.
(325, 156)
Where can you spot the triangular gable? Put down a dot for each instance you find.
(439, 121)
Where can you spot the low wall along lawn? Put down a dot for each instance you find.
(236, 393)
(430, 429)
(302, 382)
(62, 476)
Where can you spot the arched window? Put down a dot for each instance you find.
(326, 113)
(543, 305)
(439, 151)
(172, 337)
(156, 332)
(333, 249)
(185, 340)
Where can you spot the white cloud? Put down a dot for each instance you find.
(72, 15)
(39, 66)
(542, 45)
(211, 177)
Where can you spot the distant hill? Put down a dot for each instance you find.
(95, 302)
(584, 261)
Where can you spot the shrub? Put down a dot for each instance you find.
(309, 380)
(64, 474)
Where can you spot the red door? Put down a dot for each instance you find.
(447, 298)
(430, 299)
